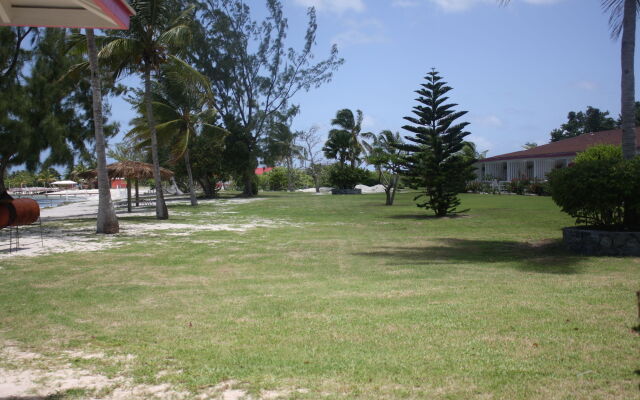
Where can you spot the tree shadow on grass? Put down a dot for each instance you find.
(419, 217)
(541, 257)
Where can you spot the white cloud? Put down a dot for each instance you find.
(368, 123)
(334, 6)
(585, 85)
(537, 2)
(463, 5)
(458, 5)
(490, 121)
(405, 3)
(481, 142)
(361, 32)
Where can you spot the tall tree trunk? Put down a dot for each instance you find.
(316, 182)
(137, 193)
(394, 188)
(192, 188)
(290, 186)
(161, 207)
(387, 192)
(248, 183)
(206, 187)
(107, 219)
(3, 169)
(628, 79)
(128, 195)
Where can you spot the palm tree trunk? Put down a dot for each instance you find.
(107, 218)
(161, 207)
(209, 193)
(137, 193)
(128, 195)
(628, 79)
(3, 168)
(192, 189)
(395, 178)
(290, 186)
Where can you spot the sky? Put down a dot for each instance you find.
(517, 69)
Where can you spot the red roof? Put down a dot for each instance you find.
(102, 14)
(567, 147)
(262, 170)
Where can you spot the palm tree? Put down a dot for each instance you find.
(386, 158)
(153, 39)
(48, 175)
(351, 125)
(107, 221)
(622, 20)
(182, 109)
(338, 145)
(282, 147)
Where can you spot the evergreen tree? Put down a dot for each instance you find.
(434, 158)
(41, 109)
(254, 74)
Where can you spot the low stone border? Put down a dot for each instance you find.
(346, 191)
(602, 243)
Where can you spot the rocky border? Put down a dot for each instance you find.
(589, 241)
(346, 191)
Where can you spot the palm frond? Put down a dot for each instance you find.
(121, 55)
(183, 73)
(76, 72)
(176, 38)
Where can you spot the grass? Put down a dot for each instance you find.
(344, 297)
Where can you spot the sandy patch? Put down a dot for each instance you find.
(31, 379)
(80, 236)
(221, 202)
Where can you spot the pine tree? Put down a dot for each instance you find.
(434, 160)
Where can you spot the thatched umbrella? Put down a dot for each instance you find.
(131, 170)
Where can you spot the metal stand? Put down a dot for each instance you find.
(14, 236)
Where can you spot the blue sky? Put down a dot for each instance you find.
(518, 70)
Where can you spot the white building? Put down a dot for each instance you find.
(536, 163)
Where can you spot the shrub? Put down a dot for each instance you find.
(600, 152)
(277, 179)
(601, 192)
(345, 176)
(518, 186)
(481, 187)
(370, 179)
(539, 188)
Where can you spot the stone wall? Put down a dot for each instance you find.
(346, 191)
(606, 243)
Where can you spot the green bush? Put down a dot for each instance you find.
(277, 179)
(539, 188)
(346, 177)
(371, 178)
(518, 186)
(602, 192)
(481, 187)
(600, 152)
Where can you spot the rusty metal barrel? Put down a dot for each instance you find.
(27, 211)
(17, 212)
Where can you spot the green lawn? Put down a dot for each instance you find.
(345, 298)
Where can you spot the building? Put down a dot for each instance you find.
(537, 162)
(102, 14)
(118, 183)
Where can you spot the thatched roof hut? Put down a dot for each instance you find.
(130, 170)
